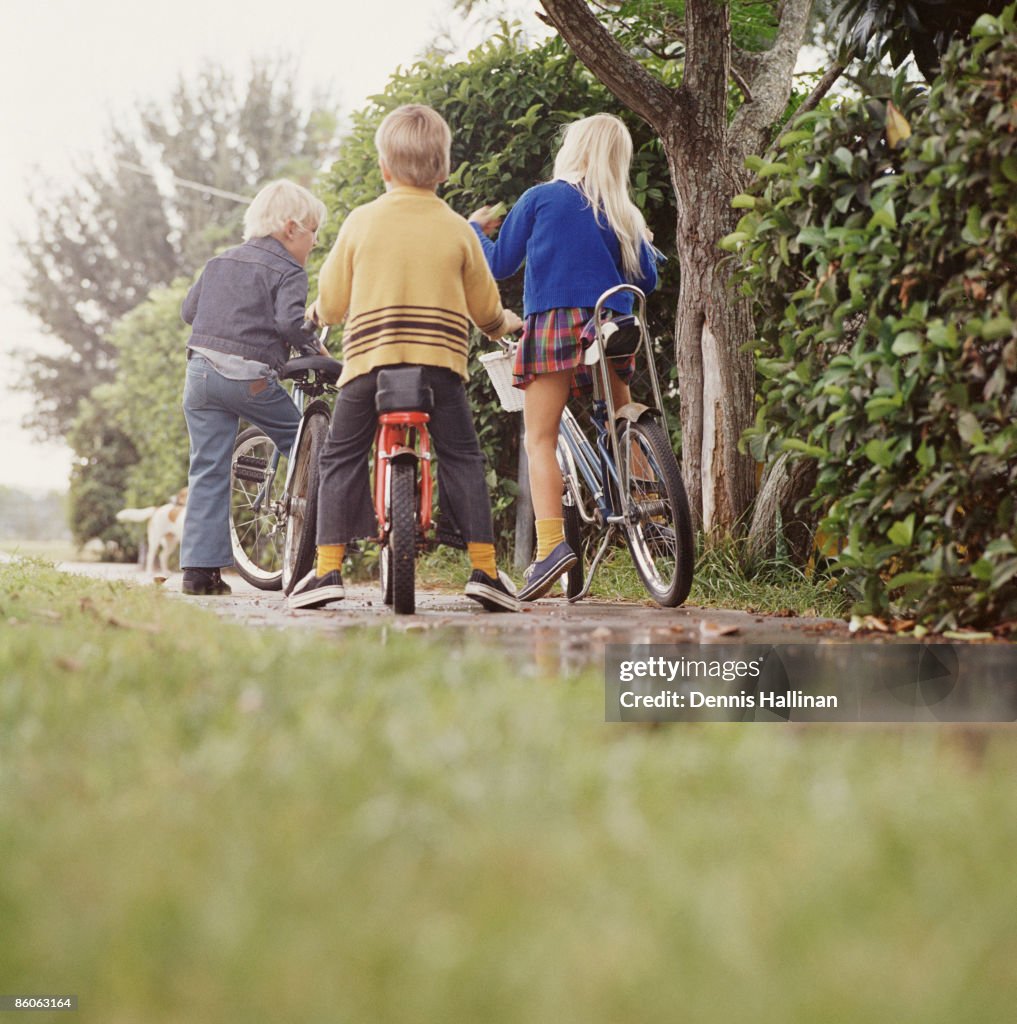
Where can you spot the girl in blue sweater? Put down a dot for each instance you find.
(579, 235)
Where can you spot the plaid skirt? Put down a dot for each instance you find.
(556, 340)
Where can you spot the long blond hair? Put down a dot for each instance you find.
(595, 156)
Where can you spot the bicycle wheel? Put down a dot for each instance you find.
(402, 536)
(574, 539)
(658, 527)
(302, 500)
(256, 527)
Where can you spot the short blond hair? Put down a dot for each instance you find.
(277, 204)
(415, 144)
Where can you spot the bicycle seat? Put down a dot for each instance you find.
(402, 389)
(622, 337)
(323, 366)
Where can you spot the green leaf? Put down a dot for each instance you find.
(743, 202)
(731, 242)
(926, 456)
(986, 25)
(906, 343)
(903, 531)
(811, 236)
(982, 570)
(909, 579)
(880, 452)
(973, 233)
(969, 428)
(843, 158)
(997, 327)
(794, 445)
(877, 408)
(883, 218)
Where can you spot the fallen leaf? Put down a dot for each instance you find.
(69, 664)
(710, 630)
(143, 627)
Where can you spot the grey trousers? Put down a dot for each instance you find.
(345, 500)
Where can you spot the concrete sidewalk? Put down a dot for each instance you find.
(548, 622)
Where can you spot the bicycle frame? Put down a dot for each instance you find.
(301, 393)
(600, 466)
(400, 436)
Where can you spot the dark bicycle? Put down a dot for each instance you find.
(272, 515)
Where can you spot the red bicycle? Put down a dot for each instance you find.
(403, 484)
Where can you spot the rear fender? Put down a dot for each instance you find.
(634, 412)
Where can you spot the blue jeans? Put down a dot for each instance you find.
(213, 408)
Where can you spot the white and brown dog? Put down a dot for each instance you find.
(165, 528)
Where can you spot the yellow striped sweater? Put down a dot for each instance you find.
(408, 274)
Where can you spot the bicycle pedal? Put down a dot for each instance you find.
(250, 467)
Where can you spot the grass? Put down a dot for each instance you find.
(720, 581)
(50, 550)
(201, 822)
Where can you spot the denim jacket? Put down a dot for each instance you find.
(249, 301)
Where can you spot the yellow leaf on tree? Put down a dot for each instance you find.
(897, 127)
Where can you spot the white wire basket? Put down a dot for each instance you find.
(499, 368)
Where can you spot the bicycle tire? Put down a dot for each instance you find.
(299, 546)
(385, 574)
(402, 536)
(574, 539)
(659, 526)
(255, 533)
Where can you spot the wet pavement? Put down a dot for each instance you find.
(548, 631)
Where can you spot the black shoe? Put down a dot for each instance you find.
(496, 595)
(204, 582)
(541, 576)
(317, 591)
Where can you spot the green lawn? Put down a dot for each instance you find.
(204, 823)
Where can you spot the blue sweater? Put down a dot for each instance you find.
(571, 259)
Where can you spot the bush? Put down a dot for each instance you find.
(887, 347)
(103, 457)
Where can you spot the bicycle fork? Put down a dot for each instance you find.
(397, 440)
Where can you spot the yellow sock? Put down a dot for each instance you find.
(482, 558)
(330, 556)
(550, 533)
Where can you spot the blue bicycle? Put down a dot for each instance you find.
(626, 481)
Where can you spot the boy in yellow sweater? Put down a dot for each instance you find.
(408, 275)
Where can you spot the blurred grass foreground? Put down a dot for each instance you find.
(201, 822)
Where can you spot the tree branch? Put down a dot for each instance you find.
(771, 84)
(618, 70)
(822, 87)
(708, 61)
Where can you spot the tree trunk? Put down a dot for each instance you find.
(776, 513)
(716, 377)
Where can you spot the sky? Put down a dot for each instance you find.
(69, 68)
